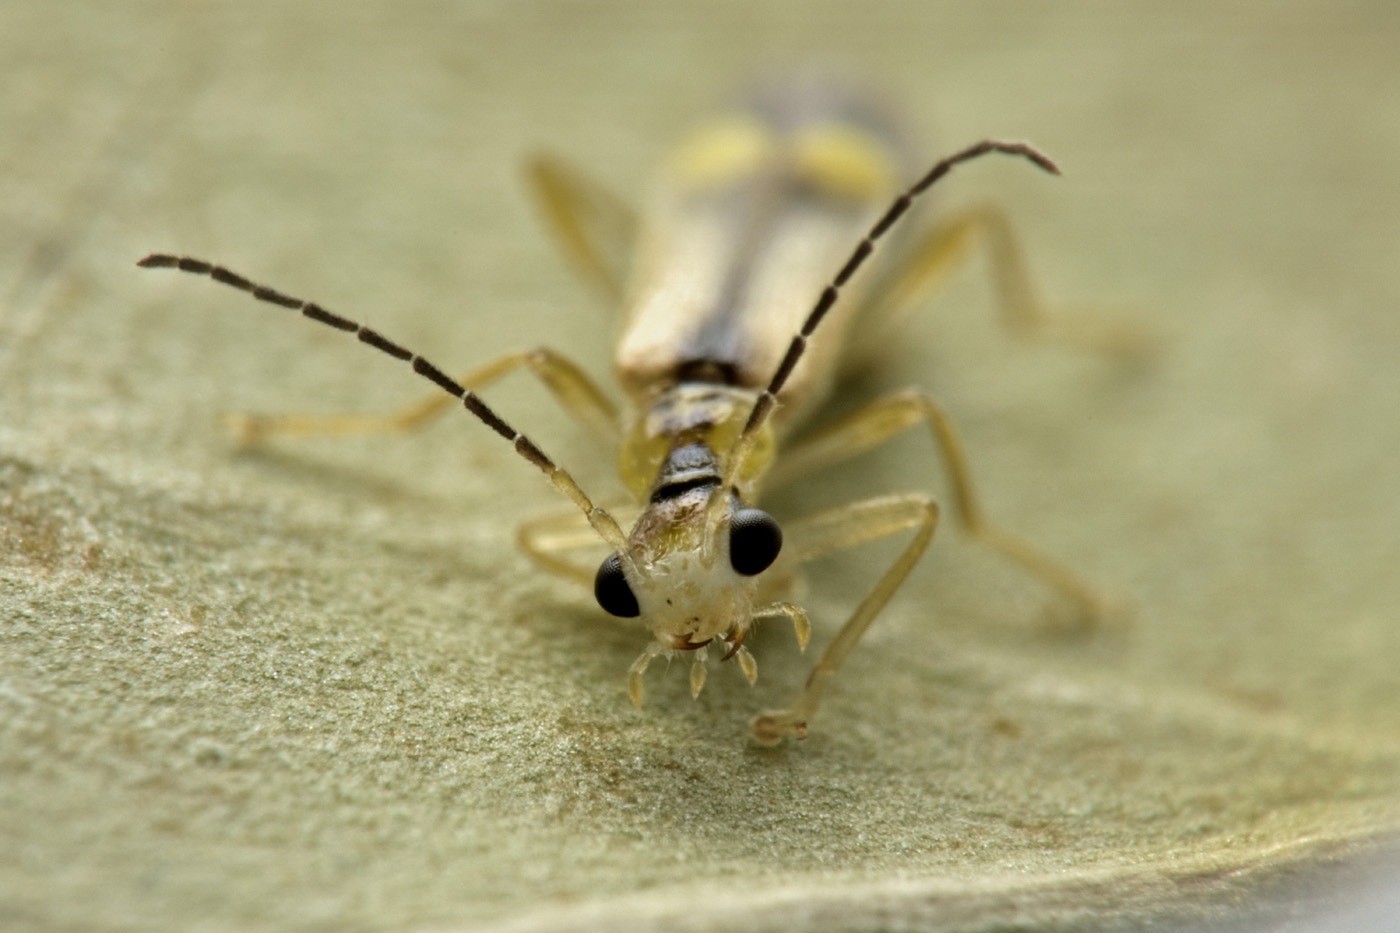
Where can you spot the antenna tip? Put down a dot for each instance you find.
(1040, 159)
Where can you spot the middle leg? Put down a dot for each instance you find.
(876, 423)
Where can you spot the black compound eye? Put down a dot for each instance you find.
(612, 592)
(754, 541)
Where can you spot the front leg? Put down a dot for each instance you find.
(834, 530)
(563, 543)
(571, 386)
(877, 422)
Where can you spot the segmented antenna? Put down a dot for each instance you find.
(603, 523)
(763, 407)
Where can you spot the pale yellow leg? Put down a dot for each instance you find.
(832, 530)
(876, 423)
(595, 230)
(564, 544)
(928, 263)
(573, 388)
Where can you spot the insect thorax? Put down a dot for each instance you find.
(689, 428)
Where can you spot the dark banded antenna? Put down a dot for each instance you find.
(763, 407)
(603, 523)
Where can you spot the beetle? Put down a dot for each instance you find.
(724, 351)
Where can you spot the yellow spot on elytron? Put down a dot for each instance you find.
(722, 152)
(844, 161)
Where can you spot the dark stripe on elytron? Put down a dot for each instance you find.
(675, 490)
(752, 205)
(767, 202)
(788, 108)
(712, 372)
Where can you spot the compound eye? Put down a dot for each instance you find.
(754, 541)
(612, 592)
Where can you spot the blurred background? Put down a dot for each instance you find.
(317, 685)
